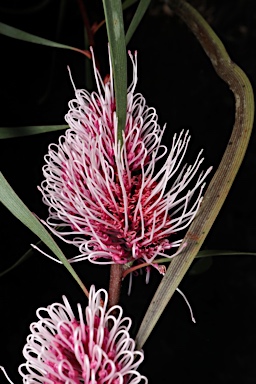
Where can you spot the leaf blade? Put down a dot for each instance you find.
(16, 206)
(220, 252)
(221, 182)
(140, 11)
(23, 258)
(128, 3)
(18, 34)
(12, 132)
(116, 37)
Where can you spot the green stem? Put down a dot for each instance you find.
(228, 168)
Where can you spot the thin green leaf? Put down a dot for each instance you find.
(12, 132)
(140, 11)
(116, 37)
(12, 202)
(18, 34)
(23, 258)
(219, 252)
(209, 253)
(200, 266)
(59, 24)
(222, 180)
(128, 3)
(25, 11)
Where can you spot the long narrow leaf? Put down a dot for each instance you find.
(140, 11)
(23, 258)
(18, 34)
(24, 10)
(219, 252)
(12, 202)
(209, 253)
(200, 266)
(127, 3)
(12, 132)
(222, 180)
(115, 29)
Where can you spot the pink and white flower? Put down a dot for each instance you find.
(94, 349)
(108, 198)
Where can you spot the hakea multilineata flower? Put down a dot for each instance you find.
(107, 198)
(96, 348)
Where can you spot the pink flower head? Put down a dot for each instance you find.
(95, 349)
(107, 198)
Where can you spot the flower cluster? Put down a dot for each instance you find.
(95, 349)
(108, 198)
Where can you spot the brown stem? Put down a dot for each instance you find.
(116, 271)
(132, 269)
(225, 174)
(97, 26)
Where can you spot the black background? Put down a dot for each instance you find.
(176, 78)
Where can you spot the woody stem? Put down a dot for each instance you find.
(115, 281)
